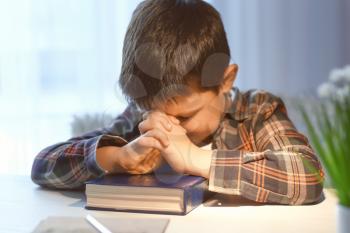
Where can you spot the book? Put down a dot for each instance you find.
(151, 193)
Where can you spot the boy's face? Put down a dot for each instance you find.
(200, 112)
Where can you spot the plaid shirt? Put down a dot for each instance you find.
(257, 153)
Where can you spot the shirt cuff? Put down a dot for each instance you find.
(225, 172)
(98, 142)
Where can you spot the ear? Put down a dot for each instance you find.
(229, 78)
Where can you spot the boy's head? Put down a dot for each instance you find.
(176, 59)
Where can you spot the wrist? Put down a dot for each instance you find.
(200, 162)
(108, 158)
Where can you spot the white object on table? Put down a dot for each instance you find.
(93, 221)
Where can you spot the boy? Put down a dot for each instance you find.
(179, 84)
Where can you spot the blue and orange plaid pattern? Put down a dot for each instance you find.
(257, 153)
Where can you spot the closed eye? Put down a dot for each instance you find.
(182, 119)
(188, 115)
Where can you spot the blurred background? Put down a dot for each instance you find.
(61, 58)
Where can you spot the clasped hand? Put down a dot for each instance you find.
(162, 138)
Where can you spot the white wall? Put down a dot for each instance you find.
(287, 46)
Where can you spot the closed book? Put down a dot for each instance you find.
(165, 194)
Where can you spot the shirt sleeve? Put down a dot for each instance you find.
(67, 165)
(282, 169)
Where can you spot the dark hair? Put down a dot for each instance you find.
(168, 43)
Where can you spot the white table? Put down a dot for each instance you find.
(23, 204)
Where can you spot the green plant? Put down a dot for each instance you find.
(330, 135)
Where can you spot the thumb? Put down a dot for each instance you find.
(174, 120)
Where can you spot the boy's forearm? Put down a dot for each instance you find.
(199, 164)
(107, 158)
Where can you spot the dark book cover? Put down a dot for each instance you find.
(195, 187)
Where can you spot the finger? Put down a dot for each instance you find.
(153, 158)
(150, 124)
(156, 116)
(151, 161)
(145, 115)
(144, 163)
(174, 120)
(135, 171)
(150, 142)
(149, 155)
(142, 127)
(163, 116)
(147, 125)
(158, 134)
